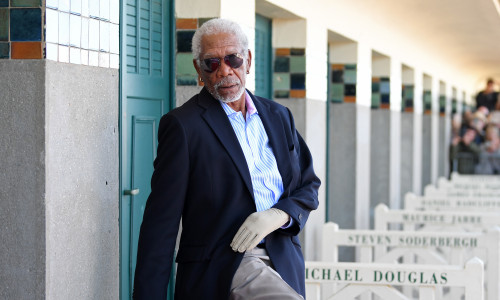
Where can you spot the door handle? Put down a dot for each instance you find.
(132, 192)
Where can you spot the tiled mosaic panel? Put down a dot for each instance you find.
(342, 83)
(442, 104)
(381, 90)
(454, 105)
(185, 72)
(427, 99)
(21, 29)
(407, 98)
(289, 73)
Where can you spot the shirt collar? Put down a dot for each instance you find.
(251, 109)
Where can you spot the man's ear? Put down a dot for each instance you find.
(249, 60)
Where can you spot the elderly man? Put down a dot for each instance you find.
(233, 166)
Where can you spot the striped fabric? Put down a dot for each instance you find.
(266, 178)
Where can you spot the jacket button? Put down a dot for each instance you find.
(300, 216)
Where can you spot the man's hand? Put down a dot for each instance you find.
(257, 226)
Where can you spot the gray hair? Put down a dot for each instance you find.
(215, 26)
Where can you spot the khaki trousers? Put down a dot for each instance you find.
(255, 278)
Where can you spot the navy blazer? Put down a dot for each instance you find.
(201, 175)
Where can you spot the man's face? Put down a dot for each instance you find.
(225, 83)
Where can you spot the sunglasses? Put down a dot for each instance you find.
(210, 65)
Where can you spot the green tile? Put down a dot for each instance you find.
(350, 76)
(281, 81)
(336, 92)
(297, 64)
(4, 50)
(350, 66)
(25, 3)
(4, 24)
(187, 80)
(376, 100)
(281, 94)
(184, 63)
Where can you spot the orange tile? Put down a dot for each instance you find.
(408, 109)
(297, 94)
(442, 114)
(375, 79)
(350, 99)
(283, 51)
(385, 106)
(427, 112)
(337, 67)
(26, 50)
(186, 23)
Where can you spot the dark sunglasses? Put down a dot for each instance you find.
(210, 65)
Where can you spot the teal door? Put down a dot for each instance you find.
(263, 57)
(145, 95)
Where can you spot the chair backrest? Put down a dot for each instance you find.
(473, 191)
(456, 177)
(414, 202)
(468, 184)
(382, 279)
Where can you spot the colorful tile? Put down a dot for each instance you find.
(282, 52)
(4, 24)
(184, 39)
(336, 92)
(187, 80)
(350, 66)
(281, 64)
(202, 21)
(26, 24)
(297, 51)
(4, 50)
(350, 90)
(184, 63)
(350, 99)
(281, 94)
(375, 100)
(298, 81)
(4, 3)
(350, 76)
(281, 81)
(297, 93)
(186, 23)
(385, 98)
(297, 64)
(337, 76)
(26, 50)
(25, 3)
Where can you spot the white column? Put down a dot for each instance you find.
(395, 134)
(316, 89)
(363, 123)
(435, 130)
(417, 130)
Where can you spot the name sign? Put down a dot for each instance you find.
(375, 275)
(406, 239)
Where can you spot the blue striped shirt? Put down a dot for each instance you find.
(266, 178)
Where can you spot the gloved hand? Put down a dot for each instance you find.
(257, 226)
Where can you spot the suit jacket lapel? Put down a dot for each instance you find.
(217, 119)
(277, 138)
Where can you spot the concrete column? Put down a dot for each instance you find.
(381, 141)
(418, 90)
(427, 133)
(435, 131)
(407, 137)
(309, 112)
(315, 130)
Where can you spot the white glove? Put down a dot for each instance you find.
(257, 226)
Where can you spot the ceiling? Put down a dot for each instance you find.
(465, 33)
(461, 33)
